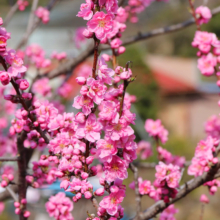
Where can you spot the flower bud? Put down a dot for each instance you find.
(81, 80)
(80, 117)
(84, 175)
(89, 159)
(204, 199)
(26, 214)
(88, 195)
(99, 192)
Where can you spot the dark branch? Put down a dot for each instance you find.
(71, 64)
(184, 190)
(5, 159)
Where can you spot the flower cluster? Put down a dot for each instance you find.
(168, 213)
(167, 180)
(60, 207)
(22, 4)
(36, 56)
(212, 127)
(213, 186)
(19, 206)
(204, 157)
(145, 188)
(208, 45)
(165, 156)
(144, 149)
(156, 130)
(43, 14)
(203, 14)
(6, 179)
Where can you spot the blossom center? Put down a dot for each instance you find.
(118, 127)
(108, 146)
(113, 200)
(89, 127)
(115, 167)
(102, 24)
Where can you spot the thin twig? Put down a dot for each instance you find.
(95, 59)
(194, 14)
(137, 194)
(10, 14)
(32, 16)
(12, 193)
(5, 159)
(34, 26)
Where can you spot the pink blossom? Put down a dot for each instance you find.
(144, 149)
(110, 5)
(206, 64)
(204, 199)
(64, 90)
(115, 169)
(109, 111)
(203, 40)
(43, 14)
(168, 213)
(100, 24)
(116, 43)
(99, 192)
(96, 90)
(58, 56)
(4, 78)
(156, 129)
(23, 84)
(83, 102)
(203, 14)
(2, 207)
(106, 148)
(79, 36)
(110, 203)
(212, 127)
(60, 207)
(22, 4)
(169, 174)
(91, 129)
(104, 73)
(86, 10)
(42, 87)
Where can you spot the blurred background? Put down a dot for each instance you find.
(169, 86)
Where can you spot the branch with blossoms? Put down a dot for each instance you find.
(71, 64)
(101, 131)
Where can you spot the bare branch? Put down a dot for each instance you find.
(152, 165)
(10, 14)
(34, 26)
(138, 196)
(71, 64)
(12, 193)
(32, 16)
(5, 159)
(165, 30)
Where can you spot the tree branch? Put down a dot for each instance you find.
(12, 193)
(138, 196)
(10, 14)
(5, 159)
(71, 64)
(34, 26)
(185, 189)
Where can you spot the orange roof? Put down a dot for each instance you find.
(170, 85)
